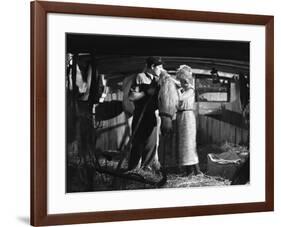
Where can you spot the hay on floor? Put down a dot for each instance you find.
(180, 181)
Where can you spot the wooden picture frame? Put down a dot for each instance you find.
(39, 123)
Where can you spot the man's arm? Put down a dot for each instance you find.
(135, 92)
(135, 95)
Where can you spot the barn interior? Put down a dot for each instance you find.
(222, 76)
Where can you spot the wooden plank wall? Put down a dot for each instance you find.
(111, 133)
(211, 130)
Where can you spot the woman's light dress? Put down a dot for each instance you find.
(186, 128)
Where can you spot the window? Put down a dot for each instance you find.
(211, 88)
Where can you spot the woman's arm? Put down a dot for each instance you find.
(187, 94)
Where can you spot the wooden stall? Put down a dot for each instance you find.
(217, 122)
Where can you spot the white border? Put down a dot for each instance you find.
(59, 202)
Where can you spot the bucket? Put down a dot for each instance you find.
(223, 165)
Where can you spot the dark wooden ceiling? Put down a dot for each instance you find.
(120, 56)
(144, 46)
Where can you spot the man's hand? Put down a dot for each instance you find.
(134, 96)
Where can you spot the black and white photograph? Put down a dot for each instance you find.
(154, 112)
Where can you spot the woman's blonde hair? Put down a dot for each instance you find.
(184, 72)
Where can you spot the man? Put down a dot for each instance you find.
(144, 94)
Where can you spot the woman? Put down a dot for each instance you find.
(186, 122)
